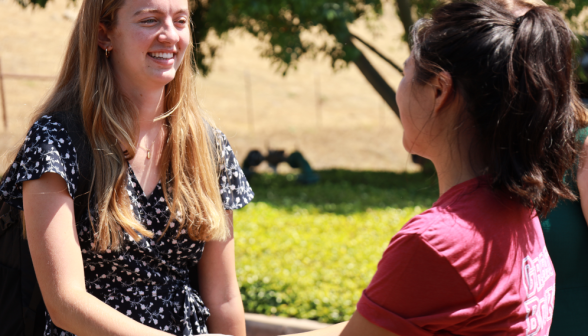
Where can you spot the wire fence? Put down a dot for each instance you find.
(318, 97)
(4, 76)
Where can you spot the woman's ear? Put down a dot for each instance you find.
(443, 85)
(104, 41)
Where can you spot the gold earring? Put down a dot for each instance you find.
(106, 51)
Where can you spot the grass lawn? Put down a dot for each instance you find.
(309, 251)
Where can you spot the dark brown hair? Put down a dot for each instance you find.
(516, 80)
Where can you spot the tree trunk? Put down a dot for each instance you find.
(404, 10)
(377, 81)
(384, 90)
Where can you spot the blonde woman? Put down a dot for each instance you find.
(121, 266)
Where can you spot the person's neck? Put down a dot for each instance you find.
(149, 106)
(449, 178)
(454, 168)
(149, 103)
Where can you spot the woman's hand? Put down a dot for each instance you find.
(219, 288)
(57, 258)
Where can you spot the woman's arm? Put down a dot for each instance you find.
(583, 179)
(357, 326)
(57, 258)
(219, 288)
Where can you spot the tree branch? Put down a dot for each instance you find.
(377, 81)
(370, 47)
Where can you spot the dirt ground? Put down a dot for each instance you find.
(354, 128)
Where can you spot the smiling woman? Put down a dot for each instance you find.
(124, 181)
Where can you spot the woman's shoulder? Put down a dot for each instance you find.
(234, 187)
(473, 213)
(48, 139)
(47, 148)
(47, 129)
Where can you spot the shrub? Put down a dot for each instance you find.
(309, 251)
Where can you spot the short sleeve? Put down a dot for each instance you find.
(234, 187)
(47, 149)
(416, 291)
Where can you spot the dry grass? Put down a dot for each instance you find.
(357, 131)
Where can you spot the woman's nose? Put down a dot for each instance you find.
(169, 33)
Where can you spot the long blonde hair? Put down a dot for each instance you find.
(86, 85)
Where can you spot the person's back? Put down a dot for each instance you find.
(465, 266)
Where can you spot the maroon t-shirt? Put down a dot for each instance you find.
(473, 264)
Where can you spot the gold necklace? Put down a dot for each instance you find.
(153, 143)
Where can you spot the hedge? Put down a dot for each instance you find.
(309, 251)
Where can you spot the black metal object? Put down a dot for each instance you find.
(274, 158)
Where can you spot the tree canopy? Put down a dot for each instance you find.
(288, 29)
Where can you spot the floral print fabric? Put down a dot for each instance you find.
(147, 279)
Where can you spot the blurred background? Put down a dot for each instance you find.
(313, 76)
(335, 118)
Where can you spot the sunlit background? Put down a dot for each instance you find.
(336, 119)
(304, 251)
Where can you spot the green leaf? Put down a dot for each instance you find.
(309, 251)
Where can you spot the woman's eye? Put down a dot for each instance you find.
(149, 21)
(182, 21)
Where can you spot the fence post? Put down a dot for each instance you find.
(249, 101)
(3, 98)
(318, 99)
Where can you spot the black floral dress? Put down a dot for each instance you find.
(147, 279)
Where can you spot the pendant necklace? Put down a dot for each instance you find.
(152, 144)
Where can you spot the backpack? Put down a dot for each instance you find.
(22, 311)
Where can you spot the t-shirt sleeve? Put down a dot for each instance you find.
(416, 291)
(47, 149)
(234, 187)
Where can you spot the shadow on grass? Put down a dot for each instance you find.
(346, 192)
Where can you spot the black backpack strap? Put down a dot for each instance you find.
(24, 309)
(71, 120)
(9, 216)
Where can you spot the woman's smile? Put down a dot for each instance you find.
(163, 58)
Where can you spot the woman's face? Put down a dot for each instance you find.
(416, 103)
(148, 42)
